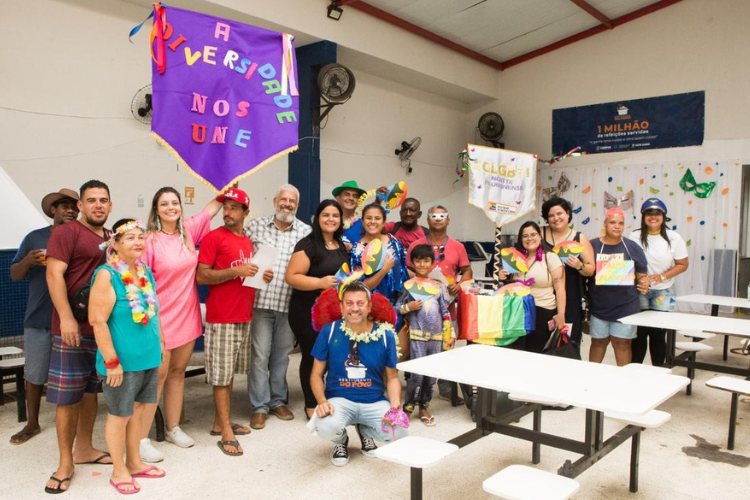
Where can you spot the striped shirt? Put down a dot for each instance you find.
(263, 231)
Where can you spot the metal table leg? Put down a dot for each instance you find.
(416, 483)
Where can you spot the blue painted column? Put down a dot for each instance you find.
(304, 164)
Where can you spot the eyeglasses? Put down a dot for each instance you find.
(531, 236)
(440, 216)
(354, 347)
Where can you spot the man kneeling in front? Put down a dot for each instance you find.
(361, 359)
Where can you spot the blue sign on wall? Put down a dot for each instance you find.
(653, 123)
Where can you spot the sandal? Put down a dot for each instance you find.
(236, 444)
(145, 473)
(428, 421)
(118, 487)
(744, 350)
(235, 430)
(55, 491)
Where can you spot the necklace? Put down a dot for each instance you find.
(136, 287)
(168, 234)
(653, 233)
(566, 238)
(367, 337)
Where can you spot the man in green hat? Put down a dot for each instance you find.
(348, 195)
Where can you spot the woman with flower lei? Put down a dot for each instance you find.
(123, 311)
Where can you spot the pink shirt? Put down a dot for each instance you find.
(174, 268)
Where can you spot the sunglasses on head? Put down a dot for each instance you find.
(440, 216)
(354, 347)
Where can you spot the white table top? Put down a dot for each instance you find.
(719, 300)
(684, 321)
(593, 386)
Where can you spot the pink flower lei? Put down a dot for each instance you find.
(136, 287)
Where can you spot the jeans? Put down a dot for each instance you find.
(272, 342)
(367, 415)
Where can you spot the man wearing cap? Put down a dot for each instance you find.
(223, 263)
(610, 300)
(272, 337)
(37, 340)
(348, 195)
(73, 254)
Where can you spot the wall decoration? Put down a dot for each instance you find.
(225, 94)
(702, 190)
(651, 123)
(624, 202)
(189, 195)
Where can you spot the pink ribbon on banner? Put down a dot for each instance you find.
(288, 76)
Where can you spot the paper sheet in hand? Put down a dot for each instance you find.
(437, 275)
(264, 258)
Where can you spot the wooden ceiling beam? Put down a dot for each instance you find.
(593, 12)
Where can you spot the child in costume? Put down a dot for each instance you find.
(423, 303)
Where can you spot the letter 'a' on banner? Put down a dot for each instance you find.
(502, 183)
(225, 98)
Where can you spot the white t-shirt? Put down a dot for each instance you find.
(660, 255)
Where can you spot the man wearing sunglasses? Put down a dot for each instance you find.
(360, 356)
(451, 258)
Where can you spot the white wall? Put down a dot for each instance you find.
(69, 75)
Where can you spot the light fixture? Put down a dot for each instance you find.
(334, 12)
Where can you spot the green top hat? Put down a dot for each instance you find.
(348, 185)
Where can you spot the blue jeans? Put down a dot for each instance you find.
(367, 415)
(37, 342)
(272, 341)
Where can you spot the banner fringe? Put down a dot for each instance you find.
(162, 142)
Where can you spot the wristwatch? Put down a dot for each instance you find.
(583, 266)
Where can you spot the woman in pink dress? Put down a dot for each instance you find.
(171, 255)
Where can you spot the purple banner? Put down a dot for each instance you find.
(225, 97)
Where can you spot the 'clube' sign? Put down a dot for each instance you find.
(225, 94)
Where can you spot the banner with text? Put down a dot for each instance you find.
(653, 123)
(225, 97)
(502, 183)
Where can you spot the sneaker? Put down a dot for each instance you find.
(178, 437)
(149, 453)
(340, 454)
(368, 445)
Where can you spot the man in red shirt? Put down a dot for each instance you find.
(224, 261)
(408, 230)
(451, 258)
(72, 256)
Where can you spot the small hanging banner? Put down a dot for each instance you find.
(502, 183)
(225, 99)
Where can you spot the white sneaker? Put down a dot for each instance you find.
(149, 453)
(178, 437)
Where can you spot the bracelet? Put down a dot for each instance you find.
(405, 309)
(112, 364)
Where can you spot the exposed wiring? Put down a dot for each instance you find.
(80, 117)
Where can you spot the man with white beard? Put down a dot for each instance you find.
(272, 337)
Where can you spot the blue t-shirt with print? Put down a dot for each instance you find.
(39, 305)
(362, 383)
(610, 303)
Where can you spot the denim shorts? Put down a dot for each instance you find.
(659, 300)
(136, 386)
(600, 329)
(37, 347)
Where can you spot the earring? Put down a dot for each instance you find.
(158, 223)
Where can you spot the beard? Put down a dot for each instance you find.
(286, 218)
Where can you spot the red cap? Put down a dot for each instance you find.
(235, 194)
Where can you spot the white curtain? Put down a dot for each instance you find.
(704, 223)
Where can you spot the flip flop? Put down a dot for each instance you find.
(235, 443)
(97, 461)
(55, 491)
(428, 421)
(23, 437)
(145, 473)
(118, 487)
(235, 429)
